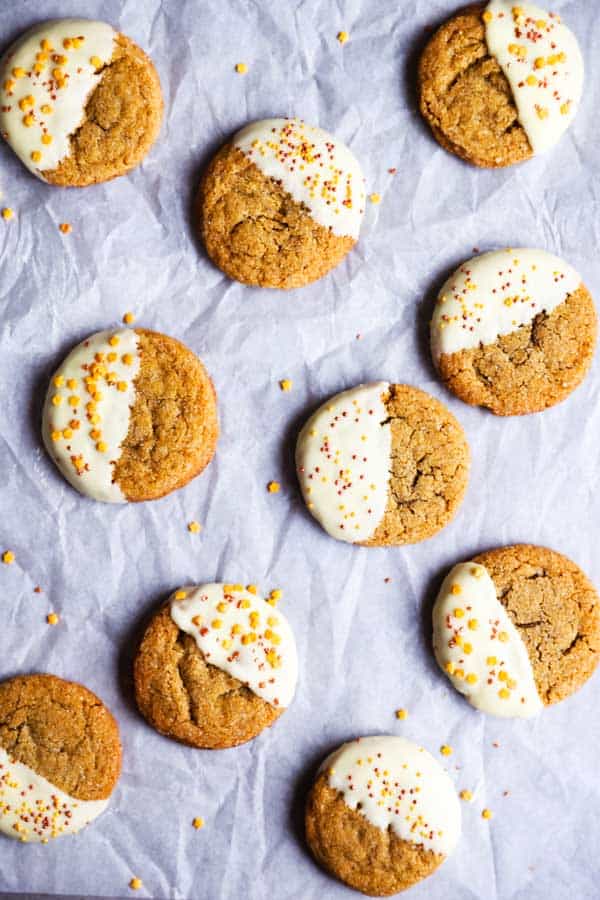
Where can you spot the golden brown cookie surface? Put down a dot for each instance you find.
(465, 96)
(188, 699)
(429, 472)
(121, 121)
(533, 367)
(63, 732)
(556, 610)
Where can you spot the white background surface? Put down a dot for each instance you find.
(363, 644)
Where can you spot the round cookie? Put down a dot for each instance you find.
(382, 464)
(516, 629)
(130, 415)
(60, 757)
(79, 102)
(380, 846)
(500, 83)
(217, 664)
(281, 204)
(514, 331)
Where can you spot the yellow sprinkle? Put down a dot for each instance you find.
(502, 675)
(18, 72)
(488, 16)
(248, 638)
(101, 447)
(7, 213)
(78, 41)
(46, 139)
(65, 228)
(486, 813)
(401, 714)
(445, 750)
(504, 693)
(36, 156)
(111, 357)
(503, 636)
(458, 613)
(564, 110)
(56, 435)
(67, 433)
(449, 667)
(52, 619)
(375, 198)
(531, 80)
(236, 629)
(198, 823)
(122, 386)
(135, 884)
(272, 621)
(45, 44)
(95, 434)
(194, 527)
(539, 62)
(276, 594)
(471, 678)
(128, 318)
(28, 120)
(26, 102)
(245, 604)
(467, 648)
(57, 400)
(8, 557)
(127, 359)
(58, 74)
(241, 68)
(96, 62)
(542, 112)
(216, 623)
(273, 487)
(251, 588)
(74, 400)
(222, 607)
(459, 673)
(473, 624)
(466, 795)
(180, 595)
(342, 37)
(72, 384)
(60, 59)
(226, 643)
(285, 384)
(9, 85)
(113, 340)
(491, 660)
(456, 589)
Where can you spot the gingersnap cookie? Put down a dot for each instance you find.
(516, 629)
(60, 757)
(500, 83)
(216, 666)
(514, 331)
(130, 415)
(382, 464)
(281, 204)
(79, 102)
(382, 814)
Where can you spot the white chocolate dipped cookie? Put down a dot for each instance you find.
(236, 660)
(382, 464)
(513, 330)
(382, 814)
(516, 628)
(130, 415)
(60, 757)
(80, 103)
(281, 204)
(500, 83)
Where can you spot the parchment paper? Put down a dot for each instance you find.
(363, 643)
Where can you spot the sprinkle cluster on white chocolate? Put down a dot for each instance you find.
(343, 459)
(311, 165)
(399, 785)
(33, 809)
(46, 78)
(543, 64)
(479, 648)
(88, 408)
(240, 632)
(494, 294)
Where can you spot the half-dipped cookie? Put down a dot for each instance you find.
(516, 629)
(382, 464)
(216, 665)
(130, 415)
(281, 204)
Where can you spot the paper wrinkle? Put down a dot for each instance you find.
(363, 644)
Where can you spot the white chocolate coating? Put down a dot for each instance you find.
(95, 390)
(240, 633)
(478, 647)
(44, 91)
(311, 165)
(343, 460)
(543, 64)
(398, 785)
(494, 294)
(32, 809)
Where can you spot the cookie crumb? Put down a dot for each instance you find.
(194, 527)
(7, 213)
(342, 37)
(65, 227)
(375, 198)
(52, 619)
(273, 487)
(8, 557)
(386, 580)
(128, 318)
(392, 171)
(198, 823)
(486, 813)
(37, 589)
(401, 714)
(466, 795)
(446, 750)
(135, 884)
(241, 68)
(285, 384)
